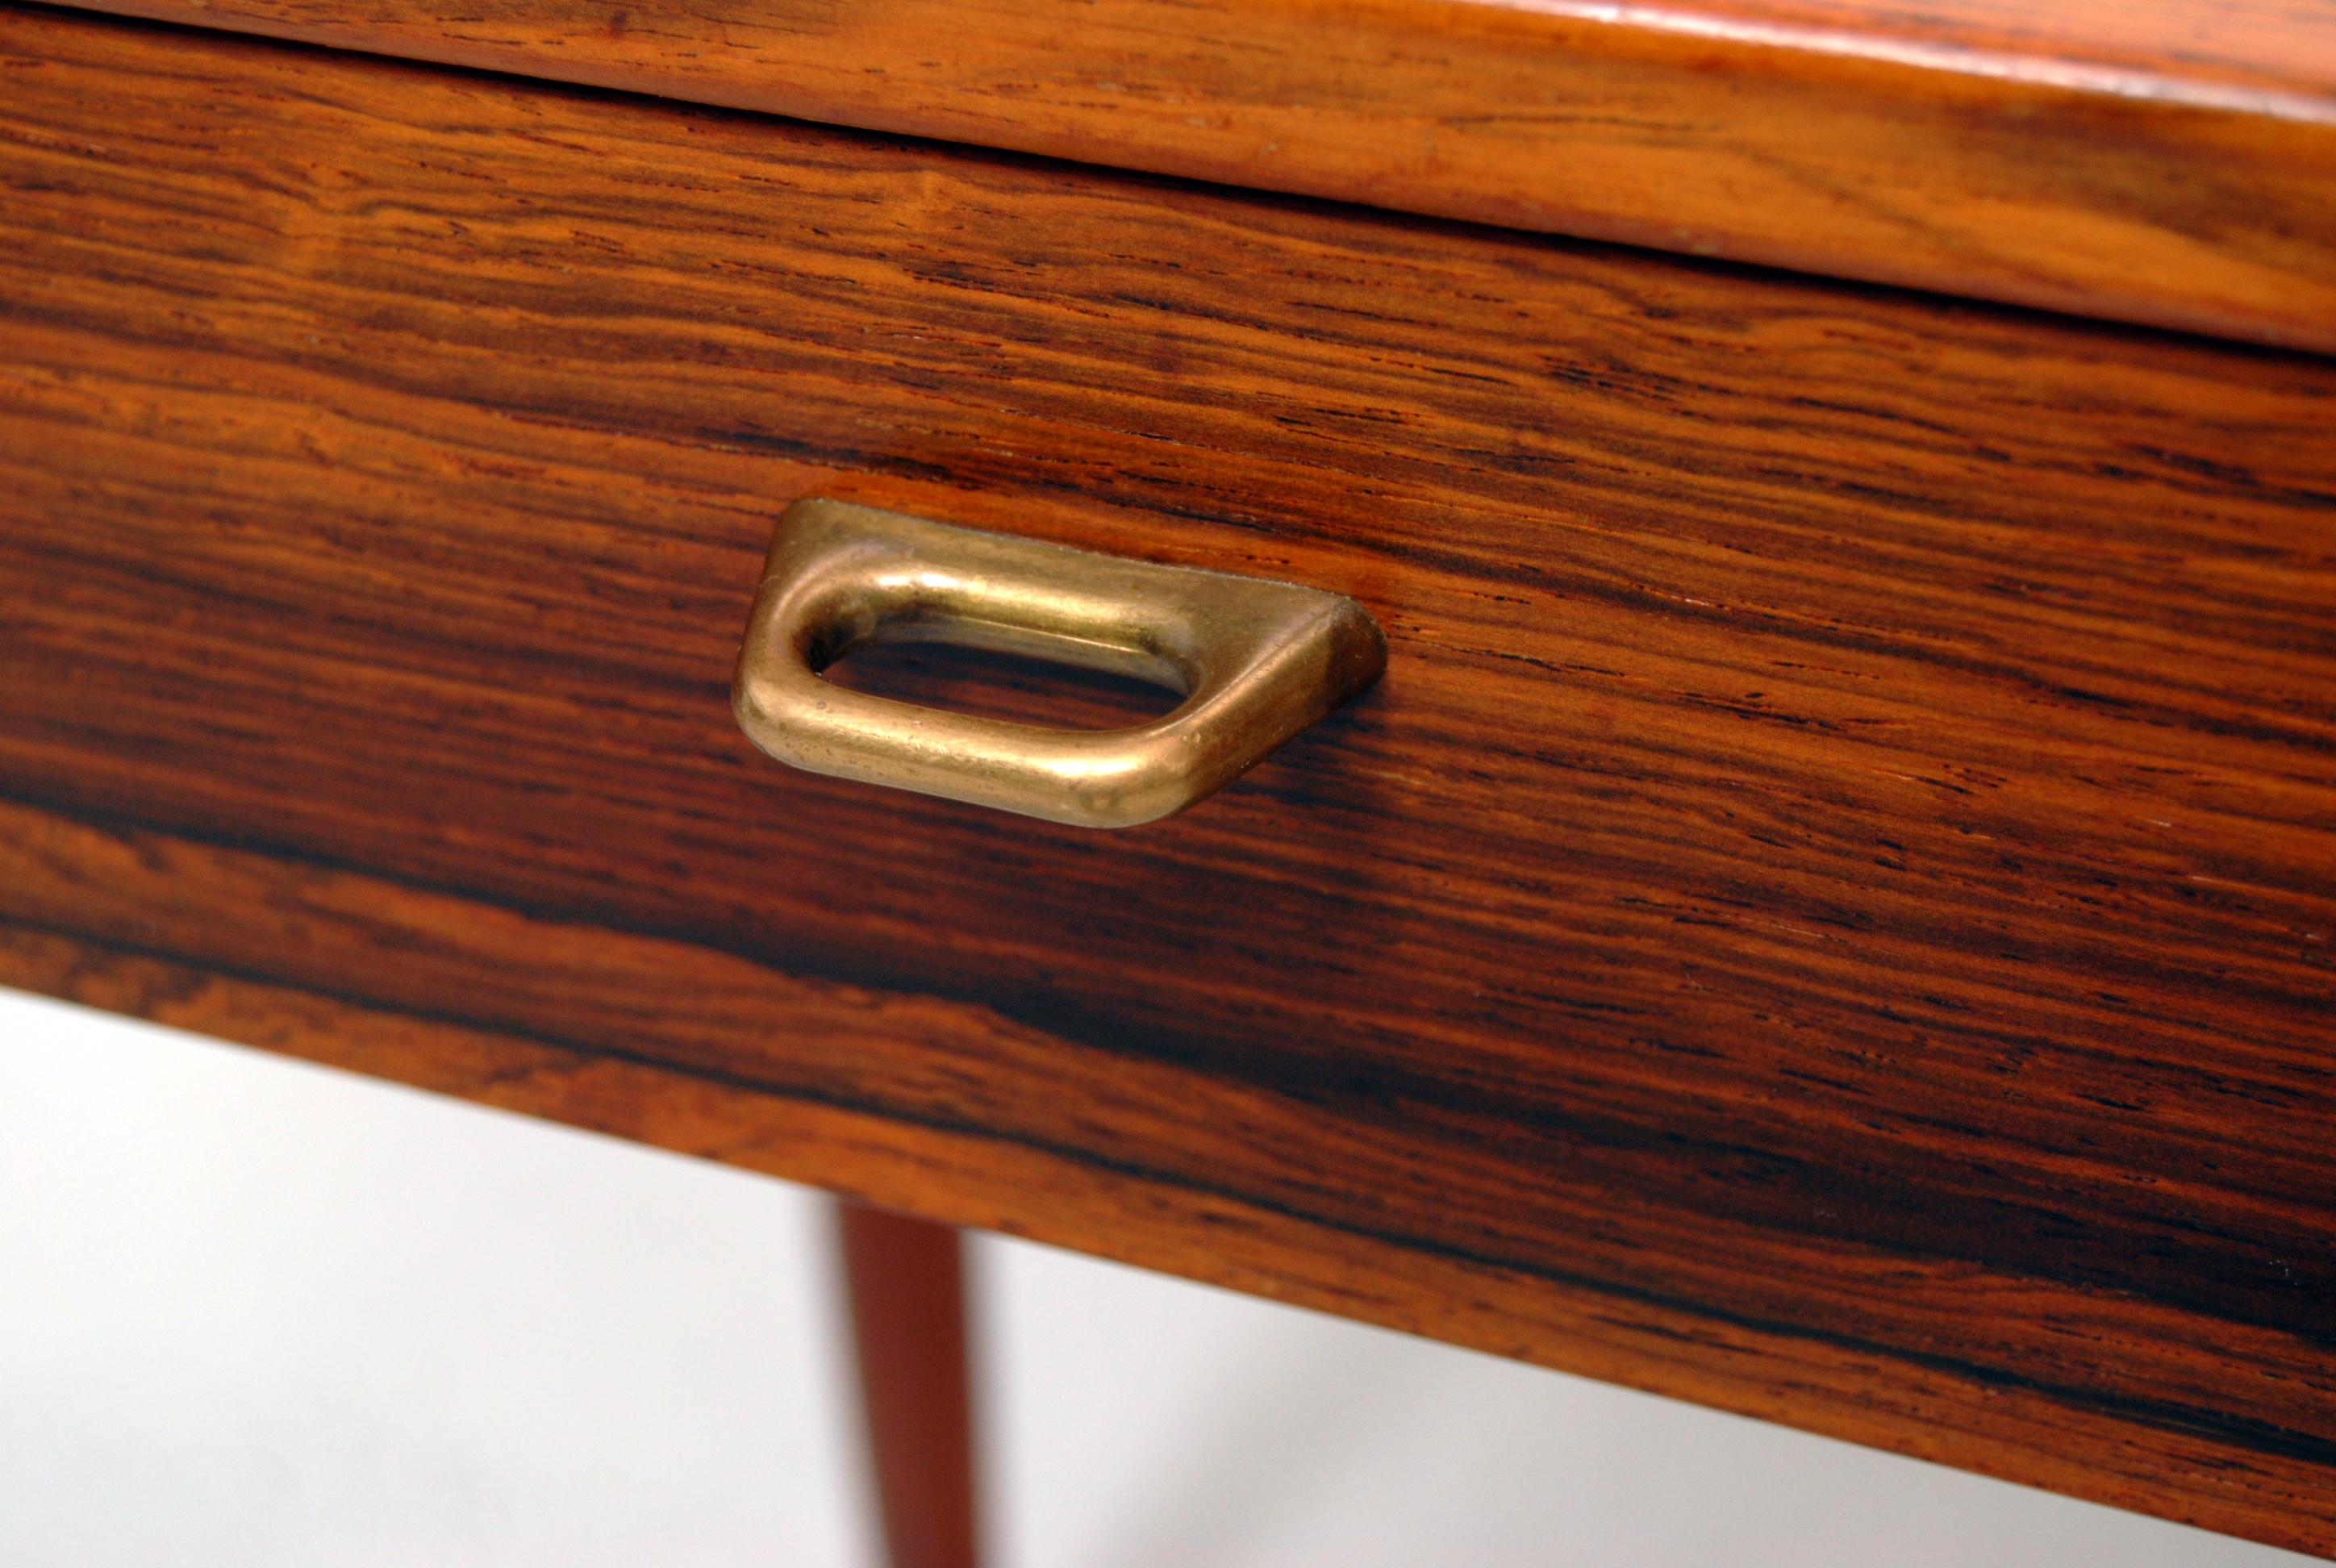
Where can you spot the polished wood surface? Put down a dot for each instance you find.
(1829, 913)
(2167, 161)
(905, 1279)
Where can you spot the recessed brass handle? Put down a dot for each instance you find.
(1257, 661)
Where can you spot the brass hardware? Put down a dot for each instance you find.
(1257, 662)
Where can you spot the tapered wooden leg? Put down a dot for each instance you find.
(905, 1280)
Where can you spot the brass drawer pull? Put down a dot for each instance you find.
(1257, 662)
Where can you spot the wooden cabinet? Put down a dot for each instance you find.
(1828, 914)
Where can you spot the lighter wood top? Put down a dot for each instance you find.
(2168, 162)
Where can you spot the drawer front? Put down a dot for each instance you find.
(1828, 914)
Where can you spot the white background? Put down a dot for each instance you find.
(254, 1312)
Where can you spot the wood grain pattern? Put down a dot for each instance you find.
(1829, 913)
(2167, 161)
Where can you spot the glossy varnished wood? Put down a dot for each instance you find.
(906, 1281)
(2158, 161)
(1829, 913)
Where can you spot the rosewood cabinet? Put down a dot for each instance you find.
(1828, 913)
